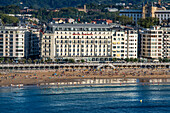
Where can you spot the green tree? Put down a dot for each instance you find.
(131, 60)
(35, 61)
(127, 59)
(148, 22)
(135, 60)
(1, 60)
(8, 60)
(82, 60)
(41, 61)
(124, 20)
(71, 61)
(114, 59)
(29, 61)
(8, 19)
(160, 59)
(165, 60)
(66, 60)
(56, 60)
(49, 60)
(23, 60)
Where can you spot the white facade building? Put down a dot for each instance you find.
(12, 41)
(92, 42)
(155, 43)
(124, 44)
(162, 15)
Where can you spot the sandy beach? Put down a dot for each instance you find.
(30, 77)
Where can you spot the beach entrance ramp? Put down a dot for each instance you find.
(106, 65)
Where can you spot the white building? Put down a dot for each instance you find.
(155, 43)
(162, 15)
(124, 44)
(92, 42)
(12, 41)
(112, 9)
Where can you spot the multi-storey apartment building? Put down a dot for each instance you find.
(33, 43)
(124, 44)
(12, 41)
(155, 43)
(166, 41)
(92, 42)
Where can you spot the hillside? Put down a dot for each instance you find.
(64, 3)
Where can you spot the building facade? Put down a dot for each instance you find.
(148, 10)
(124, 44)
(12, 41)
(92, 42)
(134, 14)
(34, 44)
(155, 43)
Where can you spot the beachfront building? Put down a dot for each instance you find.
(124, 44)
(12, 41)
(148, 10)
(33, 48)
(91, 42)
(155, 43)
(166, 41)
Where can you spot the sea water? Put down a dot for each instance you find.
(86, 99)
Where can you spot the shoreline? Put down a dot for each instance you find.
(91, 82)
(37, 77)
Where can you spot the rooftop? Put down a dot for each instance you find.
(162, 11)
(81, 25)
(121, 11)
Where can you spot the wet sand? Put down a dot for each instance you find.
(31, 77)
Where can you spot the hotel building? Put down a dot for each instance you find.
(92, 42)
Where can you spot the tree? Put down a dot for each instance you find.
(56, 60)
(124, 20)
(66, 60)
(8, 60)
(135, 60)
(8, 19)
(148, 22)
(1, 60)
(82, 60)
(114, 59)
(49, 60)
(29, 60)
(160, 59)
(131, 60)
(71, 61)
(35, 61)
(127, 59)
(22, 60)
(165, 60)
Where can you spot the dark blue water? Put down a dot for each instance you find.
(98, 99)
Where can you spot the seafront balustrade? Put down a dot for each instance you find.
(83, 66)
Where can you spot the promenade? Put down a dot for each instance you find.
(82, 66)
